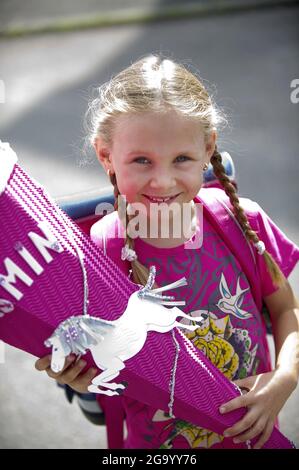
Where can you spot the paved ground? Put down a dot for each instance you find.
(249, 59)
(17, 16)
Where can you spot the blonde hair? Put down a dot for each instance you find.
(158, 84)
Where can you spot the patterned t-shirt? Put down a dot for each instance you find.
(233, 333)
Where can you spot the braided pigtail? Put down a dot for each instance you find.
(116, 192)
(273, 268)
(140, 273)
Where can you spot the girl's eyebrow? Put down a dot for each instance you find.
(139, 152)
(144, 152)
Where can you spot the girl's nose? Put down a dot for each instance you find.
(162, 179)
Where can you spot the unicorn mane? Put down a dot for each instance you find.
(77, 333)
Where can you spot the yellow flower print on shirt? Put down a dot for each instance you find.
(212, 339)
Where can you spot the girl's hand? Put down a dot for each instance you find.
(268, 393)
(70, 374)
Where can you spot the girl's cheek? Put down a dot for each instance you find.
(196, 184)
(128, 191)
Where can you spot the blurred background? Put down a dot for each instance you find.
(52, 55)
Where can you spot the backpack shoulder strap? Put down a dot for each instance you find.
(218, 210)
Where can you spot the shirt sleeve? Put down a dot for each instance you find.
(282, 249)
(108, 235)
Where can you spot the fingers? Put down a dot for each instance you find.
(238, 402)
(248, 382)
(255, 430)
(43, 363)
(265, 435)
(243, 425)
(70, 371)
(71, 374)
(81, 383)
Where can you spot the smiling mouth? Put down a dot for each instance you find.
(161, 199)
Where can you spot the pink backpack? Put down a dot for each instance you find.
(219, 213)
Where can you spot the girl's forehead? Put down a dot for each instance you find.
(150, 117)
(157, 125)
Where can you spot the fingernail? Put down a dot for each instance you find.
(222, 409)
(226, 433)
(82, 363)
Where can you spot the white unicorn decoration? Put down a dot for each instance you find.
(113, 342)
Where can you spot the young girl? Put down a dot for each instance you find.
(154, 131)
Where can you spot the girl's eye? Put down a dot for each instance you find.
(182, 158)
(141, 160)
(144, 160)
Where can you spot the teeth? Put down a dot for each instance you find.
(159, 199)
(156, 199)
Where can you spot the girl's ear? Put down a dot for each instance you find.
(210, 145)
(103, 154)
